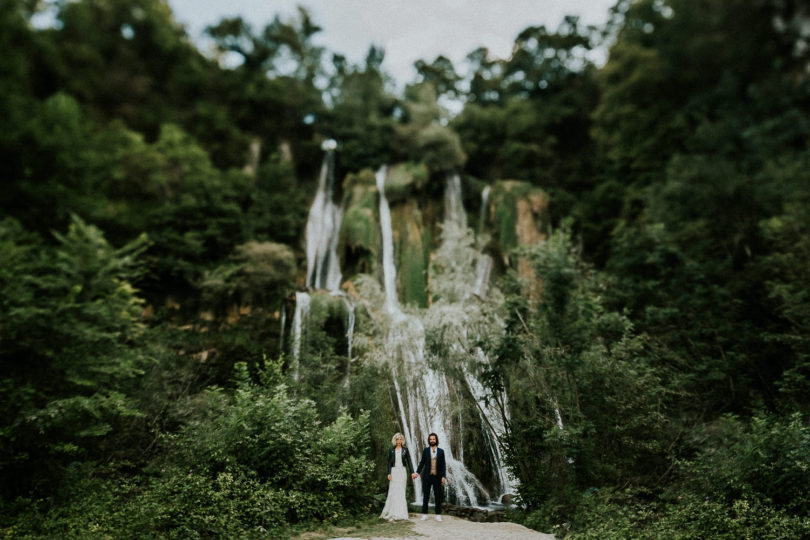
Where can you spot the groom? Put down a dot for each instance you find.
(433, 471)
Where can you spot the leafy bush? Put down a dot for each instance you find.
(259, 273)
(587, 407)
(610, 513)
(70, 321)
(250, 463)
(765, 461)
(265, 431)
(177, 503)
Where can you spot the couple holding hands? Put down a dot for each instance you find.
(432, 468)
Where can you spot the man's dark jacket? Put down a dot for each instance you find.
(424, 464)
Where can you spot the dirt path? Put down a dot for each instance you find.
(453, 528)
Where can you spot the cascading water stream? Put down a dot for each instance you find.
(389, 270)
(283, 328)
(453, 206)
(482, 216)
(423, 393)
(302, 302)
(483, 270)
(422, 400)
(323, 265)
(493, 419)
(350, 318)
(323, 225)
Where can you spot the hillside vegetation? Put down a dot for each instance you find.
(152, 210)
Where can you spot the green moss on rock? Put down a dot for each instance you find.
(411, 253)
(517, 214)
(360, 230)
(404, 180)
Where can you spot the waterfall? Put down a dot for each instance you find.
(453, 206)
(302, 301)
(323, 226)
(482, 216)
(423, 393)
(389, 270)
(496, 423)
(283, 327)
(483, 269)
(350, 316)
(493, 419)
(423, 404)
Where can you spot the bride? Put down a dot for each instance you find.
(396, 505)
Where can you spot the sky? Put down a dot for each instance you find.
(408, 30)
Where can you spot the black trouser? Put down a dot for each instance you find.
(436, 482)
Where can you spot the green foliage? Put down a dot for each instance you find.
(411, 252)
(405, 179)
(422, 138)
(71, 326)
(440, 74)
(361, 118)
(265, 430)
(413, 268)
(529, 117)
(505, 199)
(766, 461)
(630, 514)
(123, 60)
(251, 462)
(360, 231)
(682, 163)
(587, 407)
(785, 273)
(177, 503)
(259, 273)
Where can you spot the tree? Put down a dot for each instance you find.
(441, 74)
(362, 115)
(70, 351)
(268, 99)
(588, 407)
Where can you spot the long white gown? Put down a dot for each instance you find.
(396, 505)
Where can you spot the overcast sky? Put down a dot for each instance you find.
(407, 29)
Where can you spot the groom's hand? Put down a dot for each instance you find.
(414, 475)
(443, 479)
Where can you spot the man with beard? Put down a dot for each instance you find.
(433, 470)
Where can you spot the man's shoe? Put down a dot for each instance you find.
(438, 517)
(424, 517)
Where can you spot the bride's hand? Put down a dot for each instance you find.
(389, 477)
(414, 475)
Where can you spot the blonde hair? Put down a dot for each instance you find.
(397, 436)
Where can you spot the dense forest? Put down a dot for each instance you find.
(152, 216)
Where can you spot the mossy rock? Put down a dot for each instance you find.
(404, 180)
(366, 177)
(411, 252)
(324, 305)
(517, 215)
(326, 329)
(360, 229)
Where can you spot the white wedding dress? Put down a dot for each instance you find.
(396, 505)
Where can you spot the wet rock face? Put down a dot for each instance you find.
(479, 515)
(530, 213)
(515, 214)
(358, 246)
